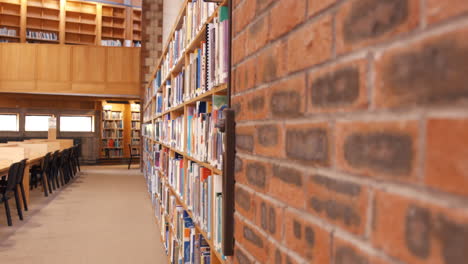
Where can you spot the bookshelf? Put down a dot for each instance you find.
(112, 143)
(136, 27)
(69, 22)
(80, 23)
(113, 25)
(182, 147)
(135, 127)
(42, 21)
(10, 21)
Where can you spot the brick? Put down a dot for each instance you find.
(428, 72)
(279, 256)
(288, 186)
(360, 23)
(340, 202)
(243, 15)
(308, 144)
(286, 98)
(263, 4)
(310, 45)
(257, 34)
(438, 11)
(385, 149)
(420, 232)
(239, 48)
(246, 75)
(245, 137)
(241, 257)
(251, 239)
(245, 202)
(270, 218)
(316, 6)
(345, 252)
(269, 140)
(307, 239)
(251, 106)
(338, 88)
(254, 174)
(286, 15)
(447, 155)
(271, 63)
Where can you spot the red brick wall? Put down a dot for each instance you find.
(352, 131)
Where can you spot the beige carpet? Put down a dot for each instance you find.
(104, 216)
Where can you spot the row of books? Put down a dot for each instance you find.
(41, 35)
(111, 43)
(204, 140)
(135, 134)
(175, 93)
(112, 133)
(135, 141)
(112, 143)
(182, 242)
(113, 124)
(136, 125)
(198, 13)
(135, 115)
(8, 32)
(111, 115)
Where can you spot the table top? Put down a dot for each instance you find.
(5, 164)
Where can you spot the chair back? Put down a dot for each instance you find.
(12, 174)
(132, 152)
(46, 162)
(20, 172)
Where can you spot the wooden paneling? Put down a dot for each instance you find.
(123, 65)
(63, 69)
(17, 62)
(89, 64)
(53, 63)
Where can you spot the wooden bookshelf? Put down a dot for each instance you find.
(113, 25)
(80, 23)
(136, 26)
(112, 143)
(154, 147)
(135, 137)
(10, 21)
(69, 22)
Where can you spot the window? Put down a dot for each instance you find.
(76, 124)
(37, 122)
(8, 122)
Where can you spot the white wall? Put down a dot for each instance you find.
(170, 11)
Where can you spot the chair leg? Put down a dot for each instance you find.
(7, 210)
(44, 185)
(49, 182)
(130, 161)
(18, 205)
(23, 194)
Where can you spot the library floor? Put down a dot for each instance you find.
(105, 216)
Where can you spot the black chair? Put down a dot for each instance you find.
(132, 154)
(10, 187)
(39, 173)
(19, 182)
(54, 170)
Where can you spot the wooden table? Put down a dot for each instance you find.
(35, 160)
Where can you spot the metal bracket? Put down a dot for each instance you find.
(229, 158)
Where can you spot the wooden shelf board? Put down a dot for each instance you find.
(12, 37)
(44, 18)
(45, 40)
(80, 33)
(9, 25)
(43, 7)
(104, 26)
(80, 22)
(41, 28)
